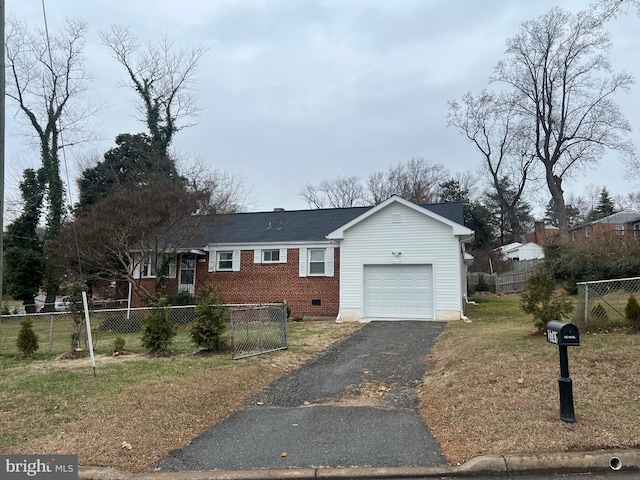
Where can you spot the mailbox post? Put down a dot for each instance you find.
(564, 335)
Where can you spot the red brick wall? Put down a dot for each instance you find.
(275, 282)
(269, 282)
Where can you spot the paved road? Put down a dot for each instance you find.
(353, 405)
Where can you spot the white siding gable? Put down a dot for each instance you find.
(397, 234)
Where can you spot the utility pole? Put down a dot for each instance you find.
(2, 129)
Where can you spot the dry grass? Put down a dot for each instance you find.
(138, 408)
(492, 388)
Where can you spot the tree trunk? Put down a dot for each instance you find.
(555, 188)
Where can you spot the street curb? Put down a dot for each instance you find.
(496, 465)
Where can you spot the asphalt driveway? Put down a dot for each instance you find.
(355, 404)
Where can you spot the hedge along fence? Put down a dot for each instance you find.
(602, 304)
(54, 330)
(109, 328)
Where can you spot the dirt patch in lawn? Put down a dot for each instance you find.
(134, 420)
(492, 388)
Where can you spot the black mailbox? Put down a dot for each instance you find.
(563, 334)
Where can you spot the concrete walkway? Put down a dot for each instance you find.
(355, 404)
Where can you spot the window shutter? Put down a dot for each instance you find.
(236, 261)
(257, 256)
(283, 255)
(328, 262)
(302, 265)
(212, 261)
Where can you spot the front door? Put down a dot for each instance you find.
(187, 274)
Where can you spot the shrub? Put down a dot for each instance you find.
(27, 341)
(482, 286)
(632, 312)
(538, 299)
(208, 330)
(118, 344)
(158, 330)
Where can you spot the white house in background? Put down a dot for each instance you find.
(521, 251)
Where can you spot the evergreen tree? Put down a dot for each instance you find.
(510, 224)
(27, 341)
(604, 208)
(24, 255)
(128, 165)
(551, 215)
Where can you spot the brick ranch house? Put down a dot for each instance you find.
(622, 225)
(394, 260)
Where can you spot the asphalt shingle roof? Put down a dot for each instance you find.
(294, 225)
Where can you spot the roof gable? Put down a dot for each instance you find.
(458, 229)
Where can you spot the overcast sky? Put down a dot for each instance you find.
(294, 91)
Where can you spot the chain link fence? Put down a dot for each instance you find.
(257, 329)
(601, 304)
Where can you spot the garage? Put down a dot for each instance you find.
(398, 291)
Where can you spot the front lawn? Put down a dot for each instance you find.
(492, 387)
(137, 408)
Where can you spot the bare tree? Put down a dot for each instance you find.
(559, 68)
(47, 81)
(162, 77)
(132, 225)
(226, 191)
(607, 9)
(630, 201)
(491, 122)
(337, 192)
(417, 180)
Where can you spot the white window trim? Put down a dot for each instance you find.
(324, 262)
(149, 261)
(214, 260)
(258, 255)
(305, 258)
(218, 260)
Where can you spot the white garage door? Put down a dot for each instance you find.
(398, 291)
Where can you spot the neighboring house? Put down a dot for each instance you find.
(542, 234)
(394, 260)
(520, 252)
(622, 225)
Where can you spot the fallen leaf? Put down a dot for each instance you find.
(260, 403)
(306, 403)
(283, 454)
(126, 445)
(520, 380)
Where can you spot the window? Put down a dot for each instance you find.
(148, 267)
(225, 261)
(316, 262)
(619, 229)
(271, 255)
(152, 266)
(573, 235)
(587, 231)
(187, 270)
(636, 231)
